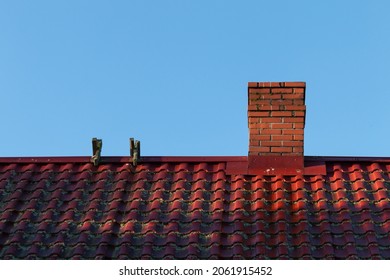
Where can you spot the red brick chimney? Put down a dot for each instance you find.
(276, 121)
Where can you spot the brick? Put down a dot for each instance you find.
(298, 149)
(299, 126)
(261, 137)
(271, 84)
(253, 107)
(258, 114)
(271, 154)
(281, 113)
(253, 142)
(281, 102)
(259, 125)
(254, 131)
(282, 90)
(299, 113)
(282, 149)
(268, 108)
(282, 125)
(298, 137)
(260, 149)
(258, 90)
(296, 96)
(295, 84)
(292, 143)
(298, 101)
(277, 84)
(294, 120)
(271, 120)
(271, 143)
(259, 102)
(298, 90)
(282, 137)
(254, 98)
(292, 131)
(294, 107)
(272, 96)
(271, 131)
(253, 121)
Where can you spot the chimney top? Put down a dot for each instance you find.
(276, 121)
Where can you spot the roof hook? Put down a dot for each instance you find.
(97, 145)
(135, 150)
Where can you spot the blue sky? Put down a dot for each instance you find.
(174, 74)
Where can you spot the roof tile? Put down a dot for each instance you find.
(192, 210)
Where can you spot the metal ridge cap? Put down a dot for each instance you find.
(347, 158)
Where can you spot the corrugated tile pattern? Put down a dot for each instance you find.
(192, 211)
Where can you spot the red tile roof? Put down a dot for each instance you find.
(193, 208)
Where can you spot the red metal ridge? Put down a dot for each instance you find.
(346, 159)
(313, 165)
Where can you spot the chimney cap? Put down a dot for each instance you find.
(276, 84)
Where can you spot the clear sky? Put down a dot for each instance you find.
(174, 74)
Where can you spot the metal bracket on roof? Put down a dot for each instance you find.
(97, 145)
(135, 150)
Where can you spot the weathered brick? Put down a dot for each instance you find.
(267, 108)
(260, 125)
(294, 108)
(295, 84)
(280, 102)
(271, 120)
(298, 137)
(282, 149)
(295, 96)
(260, 149)
(253, 107)
(258, 114)
(281, 137)
(271, 143)
(292, 143)
(294, 120)
(292, 131)
(271, 96)
(281, 113)
(260, 102)
(299, 126)
(282, 90)
(298, 101)
(298, 113)
(282, 125)
(259, 90)
(261, 137)
(271, 132)
(253, 84)
(298, 90)
(271, 84)
(298, 150)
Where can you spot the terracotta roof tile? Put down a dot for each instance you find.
(192, 210)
